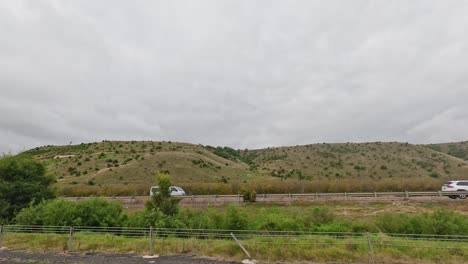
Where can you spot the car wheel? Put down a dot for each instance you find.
(462, 196)
(453, 196)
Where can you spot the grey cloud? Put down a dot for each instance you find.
(239, 73)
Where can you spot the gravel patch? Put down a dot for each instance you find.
(23, 257)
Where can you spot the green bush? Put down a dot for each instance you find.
(94, 212)
(163, 200)
(321, 215)
(22, 182)
(439, 223)
(235, 219)
(248, 195)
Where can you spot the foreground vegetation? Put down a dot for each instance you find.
(22, 183)
(127, 167)
(320, 218)
(318, 225)
(316, 248)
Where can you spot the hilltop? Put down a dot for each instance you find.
(129, 167)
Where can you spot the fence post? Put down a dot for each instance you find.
(70, 240)
(151, 253)
(242, 247)
(371, 251)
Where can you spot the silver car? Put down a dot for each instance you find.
(456, 186)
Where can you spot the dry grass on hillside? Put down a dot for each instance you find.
(129, 167)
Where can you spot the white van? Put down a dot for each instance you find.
(173, 190)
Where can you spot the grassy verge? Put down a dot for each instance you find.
(316, 248)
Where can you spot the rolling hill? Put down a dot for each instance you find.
(456, 149)
(129, 167)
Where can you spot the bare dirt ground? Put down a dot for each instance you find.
(13, 257)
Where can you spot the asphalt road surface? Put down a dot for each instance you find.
(13, 257)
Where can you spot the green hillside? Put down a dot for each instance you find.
(456, 149)
(129, 168)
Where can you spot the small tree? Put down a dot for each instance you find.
(22, 181)
(163, 200)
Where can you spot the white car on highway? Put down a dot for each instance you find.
(456, 186)
(173, 190)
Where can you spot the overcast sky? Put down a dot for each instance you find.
(241, 73)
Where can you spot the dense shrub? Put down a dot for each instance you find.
(439, 223)
(94, 212)
(22, 181)
(235, 219)
(154, 218)
(162, 200)
(248, 195)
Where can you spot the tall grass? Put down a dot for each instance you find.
(336, 185)
(270, 186)
(317, 248)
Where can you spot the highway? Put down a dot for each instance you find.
(363, 197)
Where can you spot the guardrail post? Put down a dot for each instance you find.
(371, 251)
(316, 196)
(406, 195)
(440, 193)
(151, 253)
(70, 240)
(264, 197)
(375, 194)
(193, 199)
(238, 198)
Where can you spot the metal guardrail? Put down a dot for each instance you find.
(405, 194)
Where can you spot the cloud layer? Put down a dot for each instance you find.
(243, 73)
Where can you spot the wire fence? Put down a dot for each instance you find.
(263, 244)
